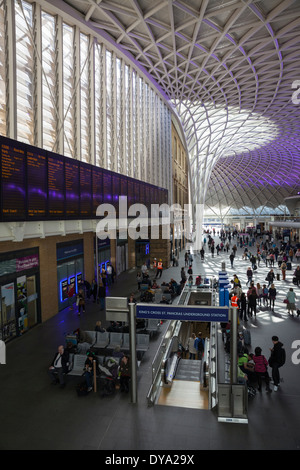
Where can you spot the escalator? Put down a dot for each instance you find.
(180, 381)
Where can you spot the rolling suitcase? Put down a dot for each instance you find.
(278, 276)
(289, 266)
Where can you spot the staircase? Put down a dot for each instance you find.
(188, 369)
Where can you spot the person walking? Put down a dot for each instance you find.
(191, 346)
(249, 276)
(272, 296)
(259, 292)
(243, 307)
(199, 345)
(270, 277)
(80, 301)
(94, 290)
(159, 269)
(291, 301)
(297, 276)
(283, 268)
(265, 294)
(261, 369)
(109, 274)
(102, 295)
(276, 360)
(252, 297)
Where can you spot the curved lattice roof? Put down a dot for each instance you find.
(229, 67)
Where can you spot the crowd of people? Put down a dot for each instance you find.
(259, 251)
(275, 255)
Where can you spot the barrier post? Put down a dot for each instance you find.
(233, 345)
(133, 358)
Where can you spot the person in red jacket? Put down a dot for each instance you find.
(261, 369)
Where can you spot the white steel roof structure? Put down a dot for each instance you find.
(231, 69)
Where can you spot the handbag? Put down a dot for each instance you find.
(285, 301)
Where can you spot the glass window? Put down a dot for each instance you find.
(48, 86)
(84, 97)
(109, 109)
(68, 90)
(98, 104)
(2, 74)
(24, 72)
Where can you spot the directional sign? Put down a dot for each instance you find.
(182, 312)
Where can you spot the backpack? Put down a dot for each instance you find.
(198, 344)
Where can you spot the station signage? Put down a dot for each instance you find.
(182, 312)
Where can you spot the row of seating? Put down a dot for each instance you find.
(113, 340)
(77, 364)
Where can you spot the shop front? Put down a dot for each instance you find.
(20, 292)
(142, 252)
(70, 271)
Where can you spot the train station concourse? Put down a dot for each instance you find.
(149, 227)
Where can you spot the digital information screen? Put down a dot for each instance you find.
(40, 185)
(72, 188)
(136, 192)
(36, 184)
(130, 192)
(85, 203)
(13, 181)
(97, 189)
(56, 183)
(115, 190)
(107, 187)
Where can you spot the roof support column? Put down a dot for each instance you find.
(10, 70)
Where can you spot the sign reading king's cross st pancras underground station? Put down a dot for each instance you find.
(182, 312)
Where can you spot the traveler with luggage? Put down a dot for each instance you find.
(296, 279)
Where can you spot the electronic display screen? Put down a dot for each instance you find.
(136, 192)
(115, 190)
(56, 185)
(107, 187)
(40, 185)
(36, 183)
(85, 203)
(72, 188)
(13, 180)
(97, 189)
(130, 192)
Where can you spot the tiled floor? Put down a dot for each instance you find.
(36, 415)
